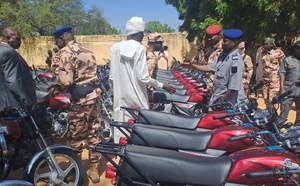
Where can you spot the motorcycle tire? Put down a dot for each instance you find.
(41, 171)
(105, 132)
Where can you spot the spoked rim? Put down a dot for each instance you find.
(49, 175)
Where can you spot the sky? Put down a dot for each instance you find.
(118, 12)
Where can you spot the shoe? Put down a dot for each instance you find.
(93, 173)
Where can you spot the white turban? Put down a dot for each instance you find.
(135, 25)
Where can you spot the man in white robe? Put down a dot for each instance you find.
(129, 73)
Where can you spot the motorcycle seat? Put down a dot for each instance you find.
(165, 96)
(167, 119)
(167, 166)
(178, 91)
(170, 138)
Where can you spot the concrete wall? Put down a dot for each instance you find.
(34, 49)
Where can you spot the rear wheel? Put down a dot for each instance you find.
(43, 171)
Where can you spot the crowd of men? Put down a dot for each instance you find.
(278, 67)
(133, 72)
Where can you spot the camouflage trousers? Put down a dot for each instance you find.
(246, 85)
(269, 91)
(209, 86)
(84, 119)
(150, 97)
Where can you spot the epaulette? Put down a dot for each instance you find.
(235, 57)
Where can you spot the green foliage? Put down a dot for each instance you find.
(156, 26)
(41, 17)
(256, 18)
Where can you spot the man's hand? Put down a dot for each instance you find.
(186, 65)
(169, 88)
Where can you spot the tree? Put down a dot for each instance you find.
(156, 26)
(41, 17)
(256, 18)
(95, 23)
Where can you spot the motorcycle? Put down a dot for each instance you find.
(202, 142)
(223, 114)
(271, 165)
(23, 145)
(139, 165)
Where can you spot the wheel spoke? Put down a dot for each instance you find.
(43, 175)
(66, 172)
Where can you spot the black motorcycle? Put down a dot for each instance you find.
(23, 145)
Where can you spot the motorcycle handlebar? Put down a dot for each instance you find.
(277, 99)
(225, 116)
(260, 174)
(236, 138)
(280, 172)
(250, 134)
(221, 104)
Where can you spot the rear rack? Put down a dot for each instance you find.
(107, 149)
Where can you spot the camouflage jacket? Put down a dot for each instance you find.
(152, 60)
(248, 68)
(77, 66)
(271, 62)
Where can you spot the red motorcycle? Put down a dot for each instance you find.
(202, 142)
(54, 113)
(141, 165)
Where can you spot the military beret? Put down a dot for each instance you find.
(62, 30)
(213, 29)
(232, 33)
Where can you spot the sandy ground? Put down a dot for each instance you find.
(107, 182)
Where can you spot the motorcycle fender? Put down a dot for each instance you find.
(39, 155)
(15, 183)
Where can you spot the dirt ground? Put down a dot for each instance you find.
(107, 182)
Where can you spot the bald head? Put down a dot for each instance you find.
(12, 37)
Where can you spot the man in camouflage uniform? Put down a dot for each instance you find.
(200, 54)
(77, 75)
(248, 67)
(213, 36)
(154, 44)
(271, 61)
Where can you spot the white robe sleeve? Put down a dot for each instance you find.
(143, 73)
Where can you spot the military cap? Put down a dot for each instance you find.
(61, 31)
(155, 37)
(213, 29)
(232, 33)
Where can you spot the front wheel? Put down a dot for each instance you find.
(43, 171)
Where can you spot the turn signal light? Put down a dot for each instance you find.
(110, 172)
(130, 121)
(123, 140)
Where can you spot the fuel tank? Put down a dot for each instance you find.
(260, 159)
(208, 121)
(10, 129)
(61, 101)
(220, 136)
